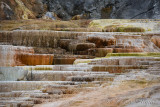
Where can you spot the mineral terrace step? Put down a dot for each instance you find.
(91, 78)
(86, 67)
(11, 103)
(21, 93)
(139, 70)
(120, 60)
(8, 86)
(117, 69)
(154, 68)
(61, 75)
(149, 62)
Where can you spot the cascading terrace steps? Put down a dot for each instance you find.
(76, 45)
(52, 65)
(65, 75)
(30, 98)
(49, 89)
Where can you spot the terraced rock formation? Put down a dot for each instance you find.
(46, 68)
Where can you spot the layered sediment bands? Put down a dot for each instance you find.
(41, 50)
(35, 59)
(124, 89)
(119, 60)
(79, 76)
(36, 38)
(73, 68)
(116, 69)
(9, 53)
(7, 56)
(101, 40)
(6, 37)
(19, 55)
(46, 38)
(113, 77)
(68, 59)
(128, 42)
(23, 85)
(128, 50)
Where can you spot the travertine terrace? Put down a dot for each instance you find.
(106, 63)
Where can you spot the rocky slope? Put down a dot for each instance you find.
(66, 9)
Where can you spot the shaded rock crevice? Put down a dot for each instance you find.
(142, 13)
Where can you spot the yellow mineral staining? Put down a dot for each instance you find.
(23, 11)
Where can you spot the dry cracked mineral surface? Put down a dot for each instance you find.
(79, 53)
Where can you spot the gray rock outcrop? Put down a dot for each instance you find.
(92, 9)
(112, 9)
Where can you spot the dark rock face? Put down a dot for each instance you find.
(5, 11)
(96, 9)
(136, 9)
(123, 9)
